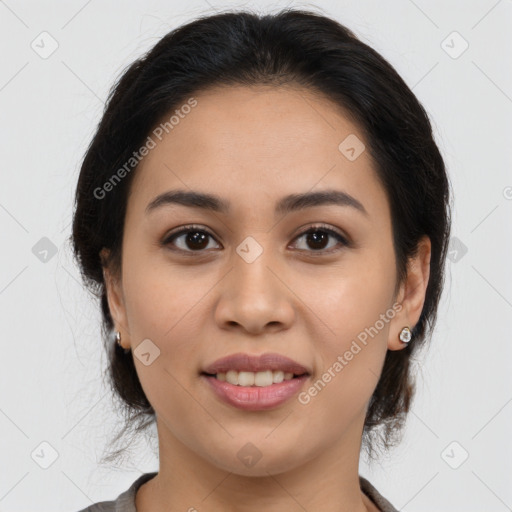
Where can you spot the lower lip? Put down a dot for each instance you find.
(256, 398)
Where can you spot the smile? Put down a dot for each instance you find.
(260, 379)
(255, 397)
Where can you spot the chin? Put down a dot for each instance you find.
(249, 460)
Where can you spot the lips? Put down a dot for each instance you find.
(255, 363)
(255, 398)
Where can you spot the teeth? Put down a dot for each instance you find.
(266, 378)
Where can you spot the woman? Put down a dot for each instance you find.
(265, 215)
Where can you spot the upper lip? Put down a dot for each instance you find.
(255, 363)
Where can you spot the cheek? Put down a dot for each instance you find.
(167, 306)
(356, 306)
(159, 298)
(160, 305)
(352, 353)
(151, 307)
(352, 297)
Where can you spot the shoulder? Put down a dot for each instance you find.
(125, 502)
(103, 506)
(382, 503)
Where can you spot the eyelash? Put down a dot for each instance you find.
(312, 229)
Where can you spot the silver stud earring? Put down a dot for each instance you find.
(118, 341)
(405, 335)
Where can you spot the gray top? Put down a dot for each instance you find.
(125, 502)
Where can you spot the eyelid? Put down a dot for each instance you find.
(343, 240)
(183, 230)
(323, 227)
(332, 231)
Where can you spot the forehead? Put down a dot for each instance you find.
(255, 144)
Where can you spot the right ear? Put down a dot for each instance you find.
(115, 296)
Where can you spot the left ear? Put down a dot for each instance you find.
(411, 294)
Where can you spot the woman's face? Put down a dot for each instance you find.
(253, 280)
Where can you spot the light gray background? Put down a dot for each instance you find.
(51, 356)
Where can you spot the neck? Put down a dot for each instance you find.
(187, 482)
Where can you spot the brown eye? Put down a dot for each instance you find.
(191, 239)
(317, 239)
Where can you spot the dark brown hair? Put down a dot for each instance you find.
(292, 47)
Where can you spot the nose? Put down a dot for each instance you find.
(254, 297)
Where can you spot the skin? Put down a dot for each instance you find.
(252, 146)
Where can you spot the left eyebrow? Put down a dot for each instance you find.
(290, 203)
(296, 202)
